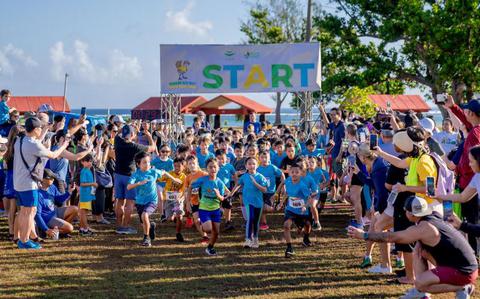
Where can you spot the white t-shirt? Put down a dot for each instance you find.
(31, 148)
(448, 141)
(475, 182)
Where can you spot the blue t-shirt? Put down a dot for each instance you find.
(208, 199)
(225, 173)
(297, 197)
(4, 112)
(338, 135)
(148, 192)
(59, 166)
(318, 176)
(203, 158)
(86, 176)
(251, 194)
(270, 172)
(166, 165)
(310, 183)
(47, 199)
(316, 152)
(277, 159)
(230, 157)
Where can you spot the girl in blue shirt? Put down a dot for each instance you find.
(254, 185)
(163, 162)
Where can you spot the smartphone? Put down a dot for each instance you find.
(83, 111)
(363, 137)
(351, 161)
(373, 141)
(99, 133)
(430, 186)
(392, 197)
(447, 209)
(440, 98)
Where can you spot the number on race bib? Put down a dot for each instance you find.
(172, 195)
(296, 203)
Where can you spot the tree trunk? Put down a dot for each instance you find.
(278, 109)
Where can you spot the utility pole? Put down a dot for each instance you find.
(65, 92)
(306, 101)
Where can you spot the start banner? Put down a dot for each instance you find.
(240, 68)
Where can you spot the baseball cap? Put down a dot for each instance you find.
(127, 131)
(32, 123)
(427, 124)
(387, 130)
(417, 206)
(472, 105)
(118, 119)
(48, 174)
(403, 141)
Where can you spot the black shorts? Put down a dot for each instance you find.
(401, 222)
(227, 203)
(267, 199)
(356, 180)
(299, 220)
(195, 208)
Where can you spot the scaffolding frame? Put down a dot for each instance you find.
(170, 106)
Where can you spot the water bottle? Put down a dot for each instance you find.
(392, 197)
(56, 233)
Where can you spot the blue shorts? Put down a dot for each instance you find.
(148, 208)
(121, 192)
(214, 216)
(9, 191)
(28, 198)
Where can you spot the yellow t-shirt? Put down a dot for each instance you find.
(418, 171)
(171, 186)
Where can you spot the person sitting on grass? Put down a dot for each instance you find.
(174, 196)
(296, 207)
(146, 199)
(88, 188)
(212, 193)
(50, 210)
(438, 243)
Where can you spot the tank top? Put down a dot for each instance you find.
(453, 249)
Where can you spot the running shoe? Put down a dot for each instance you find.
(86, 233)
(28, 245)
(466, 292)
(247, 244)
(264, 226)
(146, 242)
(354, 223)
(121, 231)
(289, 252)
(163, 219)
(151, 231)
(413, 293)
(306, 242)
(380, 270)
(103, 221)
(130, 231)
(180, 238)
(367, 262)
(255, 243)
(210, 251)
(316, 226)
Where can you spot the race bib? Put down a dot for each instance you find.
(296, 203)
(172, 195)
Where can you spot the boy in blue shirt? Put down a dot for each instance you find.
(311, 149)
(273, 174)
(88, 188)
(204, 154)
(279, 153)
(226, 173)
(296, 208)
(163, 162)
(254, 185)
(322, 179)
(5, 95)
(146, 198)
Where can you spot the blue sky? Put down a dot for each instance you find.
(110, 48)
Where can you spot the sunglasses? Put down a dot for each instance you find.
(165, 152)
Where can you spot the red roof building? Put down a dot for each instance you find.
(31, 103)
(217, 106)
(150, 109)
(401, 103)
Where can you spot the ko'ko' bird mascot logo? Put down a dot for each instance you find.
(182, 68)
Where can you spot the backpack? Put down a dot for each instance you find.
(445, 177)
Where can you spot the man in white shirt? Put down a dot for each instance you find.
(448, 138)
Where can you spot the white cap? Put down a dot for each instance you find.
(427, 124)
(418, 206)
(3, 140)
(118, 119)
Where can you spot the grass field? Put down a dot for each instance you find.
(111, 266)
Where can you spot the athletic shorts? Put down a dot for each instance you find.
(195, 208)
(214, 216)
(356, 180)
(337, 168)
(58, 219)
(267, 199)
(299, 220)
(28, 198)
(173, 207)
(85, 205)
(227, 204)
(8, 190)
(449, 275)
(148, 208)
(121, 192)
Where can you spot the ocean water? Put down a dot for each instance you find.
(290, 116)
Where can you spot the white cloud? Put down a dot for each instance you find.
(10, 57)
(181, 21)
(79, 64)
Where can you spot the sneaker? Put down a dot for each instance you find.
(121, 231)
(306, 242)
(229, 226)
(367, 262)
(289, 252)
(354, 223)
(400, 263)
(86, 233)
(381, 270)
(255, 243)
(413, 293)
(28, 245)
(65, 236)
(466, 292)
(151, 231)
(211, 251)
(189, 222)
(316, 226)
(130, 231)
(204, 240)
(103, 221)
(247, 244)
(180, 238)
(163, 219)
(146, 242)
(264, 226)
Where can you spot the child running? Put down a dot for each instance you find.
(192, 194)
(174, 196)
(226, 173)
(321, 178)
(163, 162)
(254, 185)
(271, 173)
(212, 193)
(296, 209)
(146, 198)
